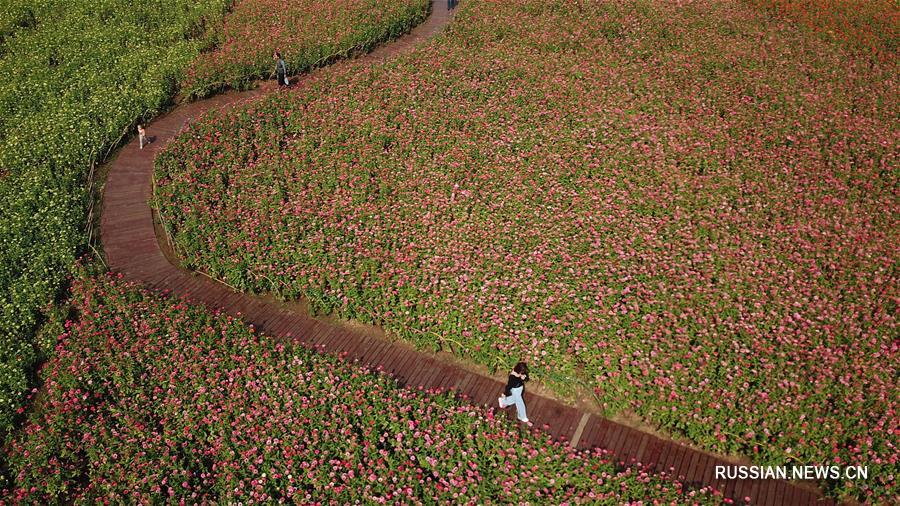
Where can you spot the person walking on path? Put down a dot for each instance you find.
(142, 135)
(280, 69)
(513, 393)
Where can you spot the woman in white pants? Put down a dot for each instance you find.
(515, 387)
(142, 135)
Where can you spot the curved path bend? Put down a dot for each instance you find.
(132, 249)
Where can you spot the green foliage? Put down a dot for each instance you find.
(74, 79)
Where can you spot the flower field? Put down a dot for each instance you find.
(689, 207)
(869, 25)
(75, 78)
(149, 400)
(309, 33)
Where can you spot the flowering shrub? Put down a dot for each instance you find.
(148, 399)
(308, 33)
(872, 25)
(684, 205)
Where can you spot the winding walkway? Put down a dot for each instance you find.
(131, 247)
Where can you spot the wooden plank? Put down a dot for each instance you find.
(588, 436)
(729, 488)
(340, 342)
(414, 362)
(621, 442)
(443, 371)
(559, 420)
(667, 457)
(282, 325)
(633, 445)
(719, 484)
(405, 360)
(430, 376)
(367, 349)
(573, 418)
(741, 489)
(444, 379)
(566, 421)
(218, 297)
(321, 335)
(346, 341)
(472, 388)
(451, 377)
(657, 446)
(303, 328)
(460, 377)
(753, 491)
(683, 462)
(163, 281)
(438, 371)
(260, 319)
(780, 491)
(667, 460)
(493, 389)
(767, 492)
(790, 494)
(379, 356)
(412, 377)
(464, 385)
(612, 437)
(642, 447)
(617, 435)
(389, 356)
(691, 472)
(579, 430)
(709, 470)
(537, 410)
(426, 370)
(485, 391)
(600, 432)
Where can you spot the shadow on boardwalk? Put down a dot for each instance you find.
(132, 248)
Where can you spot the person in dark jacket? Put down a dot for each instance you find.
(513, 393)
(280, 69)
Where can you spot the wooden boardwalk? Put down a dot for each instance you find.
(132, 248)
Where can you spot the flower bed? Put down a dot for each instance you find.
(870, 25)
(75, 78)
(691, 209)
(151, 400)
(309, 33)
